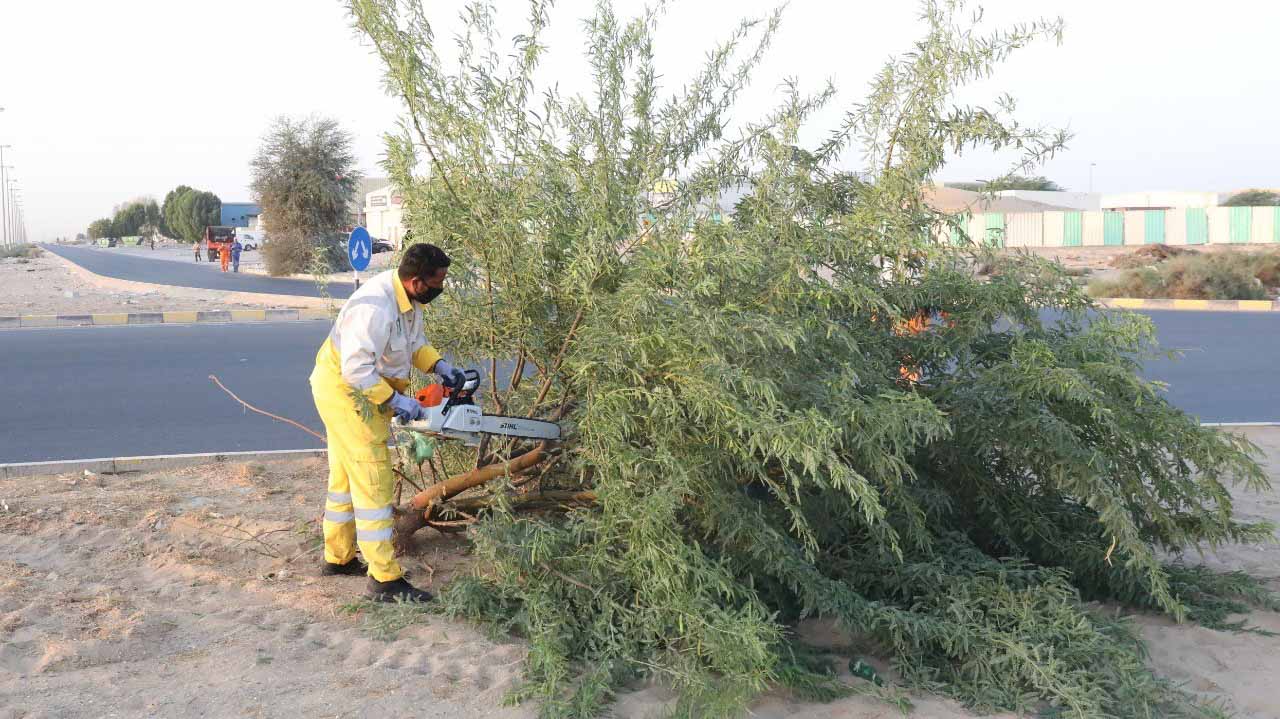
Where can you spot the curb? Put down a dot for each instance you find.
(160, 318)
(111, 283)
(117, 465)
(1135, 303)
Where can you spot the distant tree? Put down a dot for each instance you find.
(129, 219)
(100, 228)
(1011, 182)
(192, 211)
(169, 211)
(304, 178)
(185, 213)
(81, 237)
(1253, 198)
(154, 223)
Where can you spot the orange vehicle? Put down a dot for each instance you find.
(218, 239)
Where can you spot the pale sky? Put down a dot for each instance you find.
(107, 101)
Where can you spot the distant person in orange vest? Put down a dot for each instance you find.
(224, 256)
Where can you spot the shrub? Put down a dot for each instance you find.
(1210, 276)
(24, 251)
(287, 253)
(735, 399)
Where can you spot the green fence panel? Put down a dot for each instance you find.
(1072, 229)
(995, 229)
(1197, 226)
(1153, 227)
(1241, 224)
(1113, 228)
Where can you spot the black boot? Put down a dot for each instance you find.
(353, 568)
(396, 590)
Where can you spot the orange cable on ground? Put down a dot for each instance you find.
(304, 428)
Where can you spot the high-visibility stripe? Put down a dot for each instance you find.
(373, 515)
(373, 535)
(340, 497)
(338, 517)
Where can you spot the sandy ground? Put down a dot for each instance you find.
(45, 286)
(194, 593)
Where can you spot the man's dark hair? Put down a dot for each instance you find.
(422, 261)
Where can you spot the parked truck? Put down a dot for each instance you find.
(218, 238)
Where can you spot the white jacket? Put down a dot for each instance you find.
(377, 338)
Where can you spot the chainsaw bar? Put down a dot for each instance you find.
(518, 427)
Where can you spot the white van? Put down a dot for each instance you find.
(250, 239)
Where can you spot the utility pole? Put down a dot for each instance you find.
(4, 191)
(13, 207)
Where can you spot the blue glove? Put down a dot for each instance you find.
(406, 408)
(450, 376)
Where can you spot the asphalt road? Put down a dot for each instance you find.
(144, 389)
(1229, 370)
(203, 275)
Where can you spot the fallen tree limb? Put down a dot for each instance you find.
(474, 478)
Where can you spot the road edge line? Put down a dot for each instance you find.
(150, 463)
(1139, 303)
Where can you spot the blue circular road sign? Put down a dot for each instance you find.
(359, 249)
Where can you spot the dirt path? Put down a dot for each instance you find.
(139, 596)
(194, 593)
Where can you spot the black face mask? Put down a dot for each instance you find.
(429, 294)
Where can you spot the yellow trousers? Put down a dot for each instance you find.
(358, 507)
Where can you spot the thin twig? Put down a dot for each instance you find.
(565, 578)
(555, 366)
(304, 428)
(405, 477)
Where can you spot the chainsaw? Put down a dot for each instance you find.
(453, 414)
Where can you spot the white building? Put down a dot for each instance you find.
(1070, 200)
(384, 214)
(1167, 200)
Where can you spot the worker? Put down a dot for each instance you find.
(196, 247)
(223, 256)
(375, 341)
(236, 249)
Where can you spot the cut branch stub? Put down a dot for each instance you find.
(462, 482)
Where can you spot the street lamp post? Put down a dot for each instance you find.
(4, 190)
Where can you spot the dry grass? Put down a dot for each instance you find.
(1219, 276)
(24, 252)
(1148, 255)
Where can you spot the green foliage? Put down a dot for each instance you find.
(734, 393)
(100, 228)
(304, 177)
(1009, 182)
(385, 621)
(138, 217)
(1253, 198)
(1208, 276)
(186, 212)
(169, 210)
